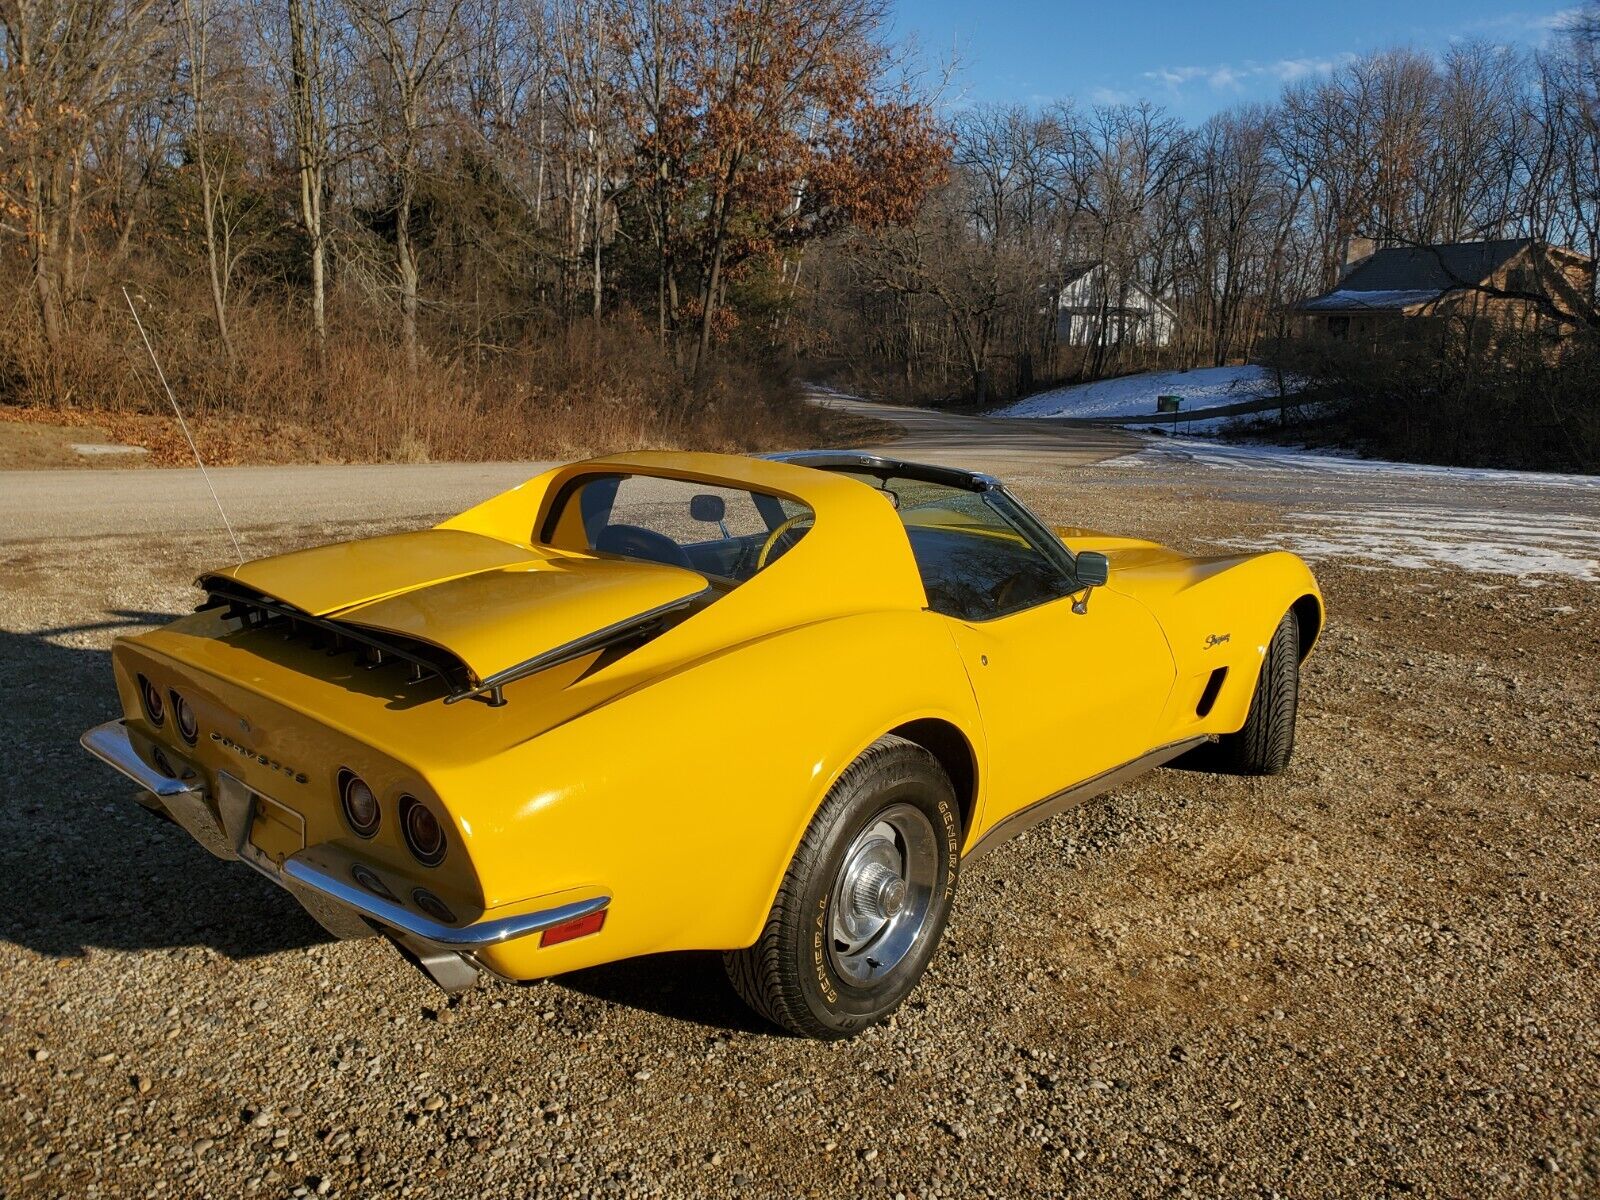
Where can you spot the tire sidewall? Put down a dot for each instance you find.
(840, 1006)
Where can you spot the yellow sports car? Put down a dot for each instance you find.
(668, 701)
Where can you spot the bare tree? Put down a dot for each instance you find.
(306, 85)
(65, 65)
(410, 47)
(212, 164)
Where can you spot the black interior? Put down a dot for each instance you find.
(977, 578)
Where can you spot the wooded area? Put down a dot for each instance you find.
(1229, 222)
(436, 210)
(417, 225)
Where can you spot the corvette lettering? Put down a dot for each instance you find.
(262, 760)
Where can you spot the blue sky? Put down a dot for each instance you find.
(1194, 57)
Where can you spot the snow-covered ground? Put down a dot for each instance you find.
(1522, 544)
(1517, 523)
(1257, 457)
(1135, 395)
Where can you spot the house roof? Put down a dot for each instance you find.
(1400, 277)
(1352, 300)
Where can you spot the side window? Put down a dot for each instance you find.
(673, 508)
(718, 531)
(979, 557)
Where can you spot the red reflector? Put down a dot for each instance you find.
(576, 928)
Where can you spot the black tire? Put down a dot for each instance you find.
(798, 975)
(1266, 742)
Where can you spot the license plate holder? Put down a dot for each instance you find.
(276, 830)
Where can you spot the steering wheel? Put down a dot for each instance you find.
(633, 541)
(772, 538)
(1016, 588)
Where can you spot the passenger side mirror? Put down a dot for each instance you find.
(1091, 569)
(704, 507)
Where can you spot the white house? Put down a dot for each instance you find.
(1097, 307)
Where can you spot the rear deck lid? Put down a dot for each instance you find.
(496, 610)
(495, 621)
(325, 579)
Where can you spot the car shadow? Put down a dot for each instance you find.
(684, 985)
(84, 866)
(87, 868)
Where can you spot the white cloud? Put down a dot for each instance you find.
(1106, 95)
(1231, 77)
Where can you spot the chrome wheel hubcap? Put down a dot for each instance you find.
(883, 896)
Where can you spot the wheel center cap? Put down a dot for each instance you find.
(892, 896)
(875, 895)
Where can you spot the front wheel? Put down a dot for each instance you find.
(864, 901)
(1266, 743)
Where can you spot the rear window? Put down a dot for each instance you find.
(722, 532)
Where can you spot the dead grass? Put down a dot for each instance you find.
(563, 393)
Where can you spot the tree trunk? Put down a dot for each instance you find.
(219, 304)
(304, 72)
(406, 262)
(708, 302)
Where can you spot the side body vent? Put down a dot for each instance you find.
(1209, 696)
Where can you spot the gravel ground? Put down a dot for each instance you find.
(1375, 975)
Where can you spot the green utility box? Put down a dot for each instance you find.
(1168, 404)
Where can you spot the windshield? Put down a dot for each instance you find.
(980, 553)
(723, 533)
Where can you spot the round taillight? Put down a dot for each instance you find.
(433, 906)
(154, 707)
(424, 835)
(360, 804)
(184, 719)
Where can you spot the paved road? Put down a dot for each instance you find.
(1375, 514)
(102, 503)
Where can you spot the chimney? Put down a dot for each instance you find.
(1356, 251)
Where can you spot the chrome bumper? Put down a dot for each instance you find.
(312, 876)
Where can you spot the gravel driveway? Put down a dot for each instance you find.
(1376, 975)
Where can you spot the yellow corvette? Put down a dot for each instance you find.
(667, 701)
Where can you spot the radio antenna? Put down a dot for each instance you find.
(182, 424)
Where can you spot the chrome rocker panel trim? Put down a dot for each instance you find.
(1025, 819)
(343, 908)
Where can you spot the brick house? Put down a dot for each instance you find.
(1393, 291)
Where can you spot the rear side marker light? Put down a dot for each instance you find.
(576, 928)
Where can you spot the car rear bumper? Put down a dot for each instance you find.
(320, 877)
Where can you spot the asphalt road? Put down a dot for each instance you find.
(104, 503)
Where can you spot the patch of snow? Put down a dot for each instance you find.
(1426, 539)
(1135, 395)
(92, 449)
(1347, 300)
(1200, 426)
(1262, 457)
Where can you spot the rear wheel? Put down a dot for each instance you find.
(864, 901)
(1266, 742)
